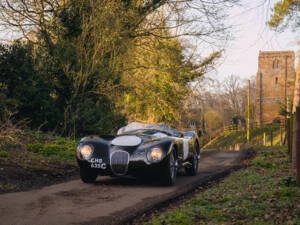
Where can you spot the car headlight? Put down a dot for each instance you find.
(154, 154)
(85, 151)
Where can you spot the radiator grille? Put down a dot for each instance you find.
(119, 162)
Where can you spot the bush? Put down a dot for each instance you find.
(48, 150)
(287, 193)
(36, 148)
(288, 181)
(263, 163)
(4, 154)
(61, 147)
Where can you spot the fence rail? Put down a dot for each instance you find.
(231, 128)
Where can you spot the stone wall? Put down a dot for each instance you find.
(274, 85)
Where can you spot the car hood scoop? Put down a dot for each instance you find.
(127, 141)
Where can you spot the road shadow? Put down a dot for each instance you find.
(134, 181)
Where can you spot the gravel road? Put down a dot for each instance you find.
(109, 200)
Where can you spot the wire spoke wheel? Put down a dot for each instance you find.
(193, 169)
(169, 171)
(173, 166)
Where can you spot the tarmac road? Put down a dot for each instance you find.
(109, 200)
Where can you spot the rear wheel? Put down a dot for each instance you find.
(170, 170)
(193, 169)
(88, 175)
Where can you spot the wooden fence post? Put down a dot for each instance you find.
(288, 135)
(280, 135)
(271, 137)
(291, 132)
(296, 143)
(248, 117)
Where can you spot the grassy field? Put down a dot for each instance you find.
(262, 193)
(235, 139)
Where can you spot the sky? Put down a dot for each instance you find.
(251, 34)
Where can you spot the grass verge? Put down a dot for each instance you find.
(30, 159)
(230, 140)
(263, 193)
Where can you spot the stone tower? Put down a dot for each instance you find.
(274, 85)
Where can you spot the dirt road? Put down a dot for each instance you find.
(109, 200)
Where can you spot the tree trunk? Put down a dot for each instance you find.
(296, 144)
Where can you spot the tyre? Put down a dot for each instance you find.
(88, 175)
(192, 170)
(169, 171)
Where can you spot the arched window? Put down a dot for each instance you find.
(276, 80)
(275, 64)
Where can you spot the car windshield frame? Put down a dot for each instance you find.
(136, 126)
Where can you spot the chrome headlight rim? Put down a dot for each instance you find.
(84, 156)
(155, 154)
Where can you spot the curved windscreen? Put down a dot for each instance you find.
(135, 126)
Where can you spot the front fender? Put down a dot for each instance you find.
(140, 154)
(100, 146)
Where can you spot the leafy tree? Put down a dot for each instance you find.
(25, 93)
(95, 53)
(84, 61)
(157, 79)
(285, 14)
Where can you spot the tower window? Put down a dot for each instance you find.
(276, 80)
(275, 64)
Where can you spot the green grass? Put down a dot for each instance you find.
(4, 154)
(229, 140)
(263, 193)
(60, 147)
(30, 149)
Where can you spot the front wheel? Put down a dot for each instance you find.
(193, 169)
(88, 175)
(169, 172)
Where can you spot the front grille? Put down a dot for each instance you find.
(119, 162)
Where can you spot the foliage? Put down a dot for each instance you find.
(284, 14)
(213, 121)
(156, 81)
(288, 181)
(61, 147)
(4, 154)
(255, 195)
(24, 92)
(84, 64)
(89, 65)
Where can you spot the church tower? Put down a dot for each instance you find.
(274, 85)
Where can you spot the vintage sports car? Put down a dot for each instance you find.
(139, 150)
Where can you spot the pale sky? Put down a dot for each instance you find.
(251, 34)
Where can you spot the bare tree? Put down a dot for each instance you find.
(235, 94)
(204, 19)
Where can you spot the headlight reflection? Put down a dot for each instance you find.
(155, 155)
(85, 151)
